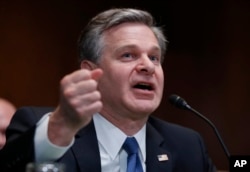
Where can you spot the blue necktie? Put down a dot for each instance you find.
(133, 162)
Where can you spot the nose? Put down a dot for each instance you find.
(145, 66)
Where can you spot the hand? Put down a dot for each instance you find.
(79, 100)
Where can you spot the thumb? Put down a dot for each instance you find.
(96, 74)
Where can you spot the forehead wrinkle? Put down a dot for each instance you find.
(134, 47)
(134, 32)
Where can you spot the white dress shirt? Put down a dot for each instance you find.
(110, 141)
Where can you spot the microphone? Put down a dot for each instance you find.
(182, 104)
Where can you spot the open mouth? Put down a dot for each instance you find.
(144, 86)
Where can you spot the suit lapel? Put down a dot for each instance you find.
(158, 158)
(86, 150)
(87, 155)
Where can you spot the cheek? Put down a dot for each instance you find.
(160, 77)
(111, 83)
(116, 74)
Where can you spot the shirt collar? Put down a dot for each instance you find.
(112, 138)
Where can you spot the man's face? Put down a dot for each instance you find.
(132, 83)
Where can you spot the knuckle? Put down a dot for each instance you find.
(93, 83)
(97, 95)
(64, 80)
(69, 92)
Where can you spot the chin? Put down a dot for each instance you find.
(143, 106)
(145, 109)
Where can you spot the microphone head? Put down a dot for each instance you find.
(178, 102)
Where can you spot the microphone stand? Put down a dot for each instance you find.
(213, 126)
(182, 104)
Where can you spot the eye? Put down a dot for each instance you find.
(127, 56)
(154, 59)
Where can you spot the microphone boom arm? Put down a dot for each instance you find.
(213, 126)
(182, 104)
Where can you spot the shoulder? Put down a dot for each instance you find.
(186, 144)
(176, 137)
(38, 110)
(32, 112)
(172, 131)
(162, 125)
(27, 117)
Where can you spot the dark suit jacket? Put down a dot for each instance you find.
(184, 147)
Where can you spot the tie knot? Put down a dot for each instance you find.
(130, 145)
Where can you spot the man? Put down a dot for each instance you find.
(108, 100)
(7, 109)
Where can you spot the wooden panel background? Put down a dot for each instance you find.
(207, 62)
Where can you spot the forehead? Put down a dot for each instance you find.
(130, 33)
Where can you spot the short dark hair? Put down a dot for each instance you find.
(90, 45)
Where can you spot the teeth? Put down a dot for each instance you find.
(144, 84)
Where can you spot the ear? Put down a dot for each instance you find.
(85, 64)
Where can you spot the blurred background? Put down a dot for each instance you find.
(207, 63)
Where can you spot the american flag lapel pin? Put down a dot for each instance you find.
(163, 157)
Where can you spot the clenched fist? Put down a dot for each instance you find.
(79, 100)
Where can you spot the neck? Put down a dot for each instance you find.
(130, 126)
